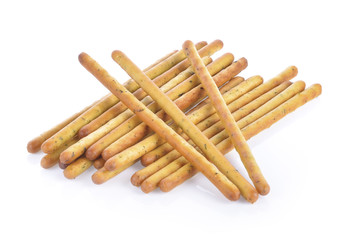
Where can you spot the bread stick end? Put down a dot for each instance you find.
(147, 187)
(33, 146)
(135, 180)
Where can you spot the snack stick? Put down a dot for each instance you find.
(96, 149)
(228, 189)
(99, 163)
(227, 119)
(62, 165)
(51, 159)
(185, 95)
(71, 129)
(160, 79)
(34, 145)
(192, 131)
(187, 171)
(151, 182)
(133, 137)
(76, 168)
(216, 129)
(238, 92)
(187, 101)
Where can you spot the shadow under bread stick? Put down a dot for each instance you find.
(188, 127)
(189, 98)
(51, 159)
(69, 131)
(161, 79)
(187, 171)
(96, 149)
(228, 189)
(239, 92)
(83, 144)
(214, 133)
(77, 167)
(227, 119)
(34, 145)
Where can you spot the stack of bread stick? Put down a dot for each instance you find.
(179, 116)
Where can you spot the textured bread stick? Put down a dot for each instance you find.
(187, 171)
(99, 163)
(187, 126)
(227, 119)
(228, 189)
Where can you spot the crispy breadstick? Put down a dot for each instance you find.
(187, 171)
(62, 165)
(34, 145)
(51, 159)
(227, 119)
(189, 128)
(182, 80)
(229, 190)
(130, 155)
(165, 57)
(83, 144)
(216, 129)
(69, 131)
(76, 168)
(114, 111)
(99, 163)
(185, 102)
(287, 74)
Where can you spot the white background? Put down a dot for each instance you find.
(308, 157)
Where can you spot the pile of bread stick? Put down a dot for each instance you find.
(179, 116)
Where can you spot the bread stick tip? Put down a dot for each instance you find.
(33, 146)
(68, 174)
(147, 187)
(135, 180)
(96, 178)
(110, 165)
(65, 157)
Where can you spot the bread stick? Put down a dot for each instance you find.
(227, 119)
(247, 111)
(160, 80)
(71, 129)
(187, 171)
(76, 168)
(229, 190)
(83, 144)
(187, 126)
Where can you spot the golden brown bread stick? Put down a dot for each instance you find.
(209, 170)
(34, 145)
(244, 115)
(188, 127)
(163, 58)
(187, 171)
(76, 168)
(186, 101)
(69, 131)
(83, 144)
(227, 119)
(114, 111)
